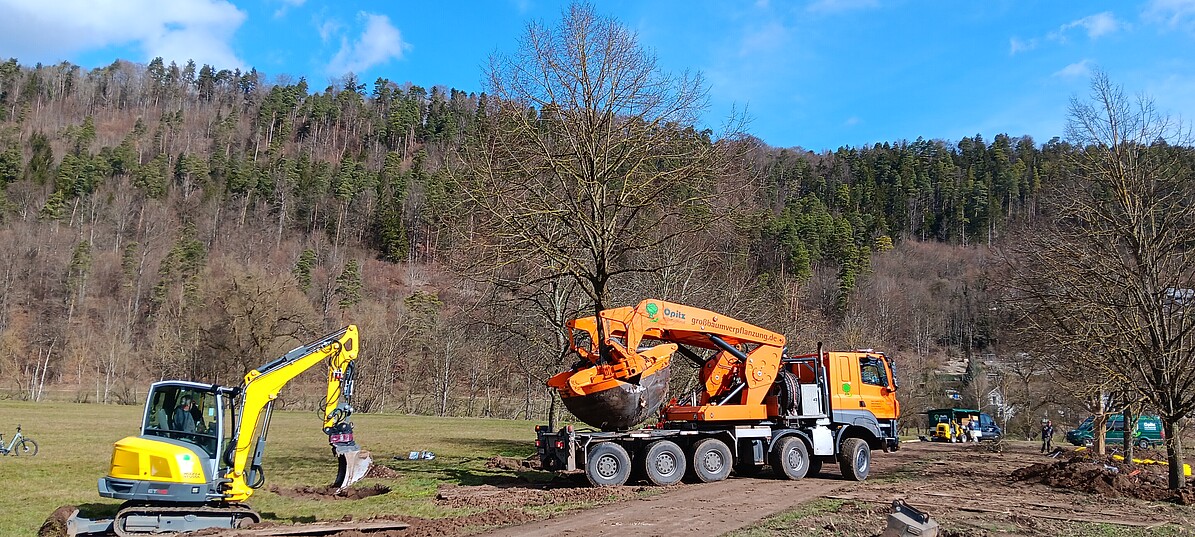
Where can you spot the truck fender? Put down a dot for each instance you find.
(783, 433)
(860, 424)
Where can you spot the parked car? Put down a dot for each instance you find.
(1149, 432)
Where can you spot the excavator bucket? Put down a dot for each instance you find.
(351, 466)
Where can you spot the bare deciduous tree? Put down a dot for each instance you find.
(589, 160)
(1106, 281)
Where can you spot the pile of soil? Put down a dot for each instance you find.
(1108, 477)
(378, 471)
(55, 524)
(510, 463)
(331, 492)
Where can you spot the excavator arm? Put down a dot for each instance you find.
(262, 387)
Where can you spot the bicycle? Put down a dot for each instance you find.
(19, 445)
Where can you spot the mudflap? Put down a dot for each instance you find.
(351, 465)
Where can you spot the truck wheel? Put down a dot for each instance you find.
(790, 458)
(1143, 443)
(664, 463)
(855, 459)
(711, 460)
(609, 465)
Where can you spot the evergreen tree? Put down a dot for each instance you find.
(348, 285)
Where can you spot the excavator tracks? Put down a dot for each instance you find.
(146, 519)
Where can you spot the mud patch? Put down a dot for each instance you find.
(530, 495)
(331, 492)
(1106, 477)
(445, 527)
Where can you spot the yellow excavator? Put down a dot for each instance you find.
(199, 454)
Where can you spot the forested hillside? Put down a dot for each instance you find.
(188, 221)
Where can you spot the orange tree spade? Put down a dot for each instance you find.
(1106, 278)
(587, 162)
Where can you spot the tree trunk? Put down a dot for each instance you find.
(1127, 434)
(1174, 454)
(552, 412)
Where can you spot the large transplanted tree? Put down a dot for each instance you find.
(587, 162)
(1108, 280)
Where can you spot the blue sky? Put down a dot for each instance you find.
(816, 74)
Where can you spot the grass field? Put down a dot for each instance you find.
(76, 440)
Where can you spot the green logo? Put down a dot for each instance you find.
(846, 388)
(186, 457)
(652, 311)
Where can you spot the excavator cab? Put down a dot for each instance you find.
(188, 412)
(185, 427)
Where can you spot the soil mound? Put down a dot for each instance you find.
(1107, 477)
(55, 524)
(331, 492)
(378, 471)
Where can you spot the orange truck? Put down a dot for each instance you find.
(755, 405)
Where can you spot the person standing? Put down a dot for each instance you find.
(1047, 436)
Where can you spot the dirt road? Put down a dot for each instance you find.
(716, 507)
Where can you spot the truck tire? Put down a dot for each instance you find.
(711, 460)
(790, 458)
(664, 463)
(1143, 443)
(854, 459)
(608, 465)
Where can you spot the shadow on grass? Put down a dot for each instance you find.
(273, 517)
(98, 510)
(503, 448)
(465, 475)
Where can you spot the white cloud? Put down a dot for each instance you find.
(1078, 69)
(852, 121)
(379, 43)
(839, 6)
(286, 5)
(1017, 44)
(1172, 14)
(179, 30)
(1097, 25)
(327, 29)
